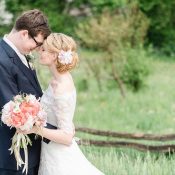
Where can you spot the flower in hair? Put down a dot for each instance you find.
(65, 57)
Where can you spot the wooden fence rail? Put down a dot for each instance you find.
(168, 148)
(135, 136)
(137, 146)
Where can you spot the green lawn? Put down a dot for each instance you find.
(152, 110)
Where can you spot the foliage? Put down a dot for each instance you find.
(162, 27)
(161, 14)
(121, 26)
(82, 85)
(135, 69)
(114, 33)
(57, 12)
(4, 30)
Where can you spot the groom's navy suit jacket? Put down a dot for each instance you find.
(15, 78)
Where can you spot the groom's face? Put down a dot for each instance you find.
(30, 43)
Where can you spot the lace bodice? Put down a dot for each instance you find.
(60, 108)
(59, 158)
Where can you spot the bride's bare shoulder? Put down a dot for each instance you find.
(63, 85)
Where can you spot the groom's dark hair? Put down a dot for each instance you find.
(34, 21)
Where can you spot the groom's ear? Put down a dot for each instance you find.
(24, 33)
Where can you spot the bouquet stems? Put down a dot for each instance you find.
(19, 141)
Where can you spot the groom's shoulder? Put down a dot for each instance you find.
(2, 50)
(4, 58)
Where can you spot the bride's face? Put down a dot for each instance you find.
(46, 58)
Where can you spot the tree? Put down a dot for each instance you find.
(115, 34)
(162, 27)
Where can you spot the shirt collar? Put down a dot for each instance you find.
(21, 56)
(12, 46)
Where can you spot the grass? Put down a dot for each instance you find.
(152, 110)
(129, 162)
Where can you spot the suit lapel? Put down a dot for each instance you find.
(36, 79)
(34, 74)
(31, 76)
(27, 72)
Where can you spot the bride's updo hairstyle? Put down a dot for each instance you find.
(65, 49)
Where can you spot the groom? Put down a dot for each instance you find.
(16, 76)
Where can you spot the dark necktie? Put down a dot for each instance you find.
(28, 59)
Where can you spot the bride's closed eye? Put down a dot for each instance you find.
(42, 49)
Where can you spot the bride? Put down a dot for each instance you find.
(61, 156)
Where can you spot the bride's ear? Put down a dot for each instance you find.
(55, 56)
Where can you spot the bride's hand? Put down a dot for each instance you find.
(32, 131)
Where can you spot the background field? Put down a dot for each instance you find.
(152, 110)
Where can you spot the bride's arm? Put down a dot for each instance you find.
(55, 135)
(64, 111)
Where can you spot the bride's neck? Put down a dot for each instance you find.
(56, 75)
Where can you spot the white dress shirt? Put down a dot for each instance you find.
(21, 56)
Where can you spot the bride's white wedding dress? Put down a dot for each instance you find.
(58, 159)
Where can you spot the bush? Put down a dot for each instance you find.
(83, 85)
(118, 35)
(122, 26)
(135, 69)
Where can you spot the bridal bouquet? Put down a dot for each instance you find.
(22, 113)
